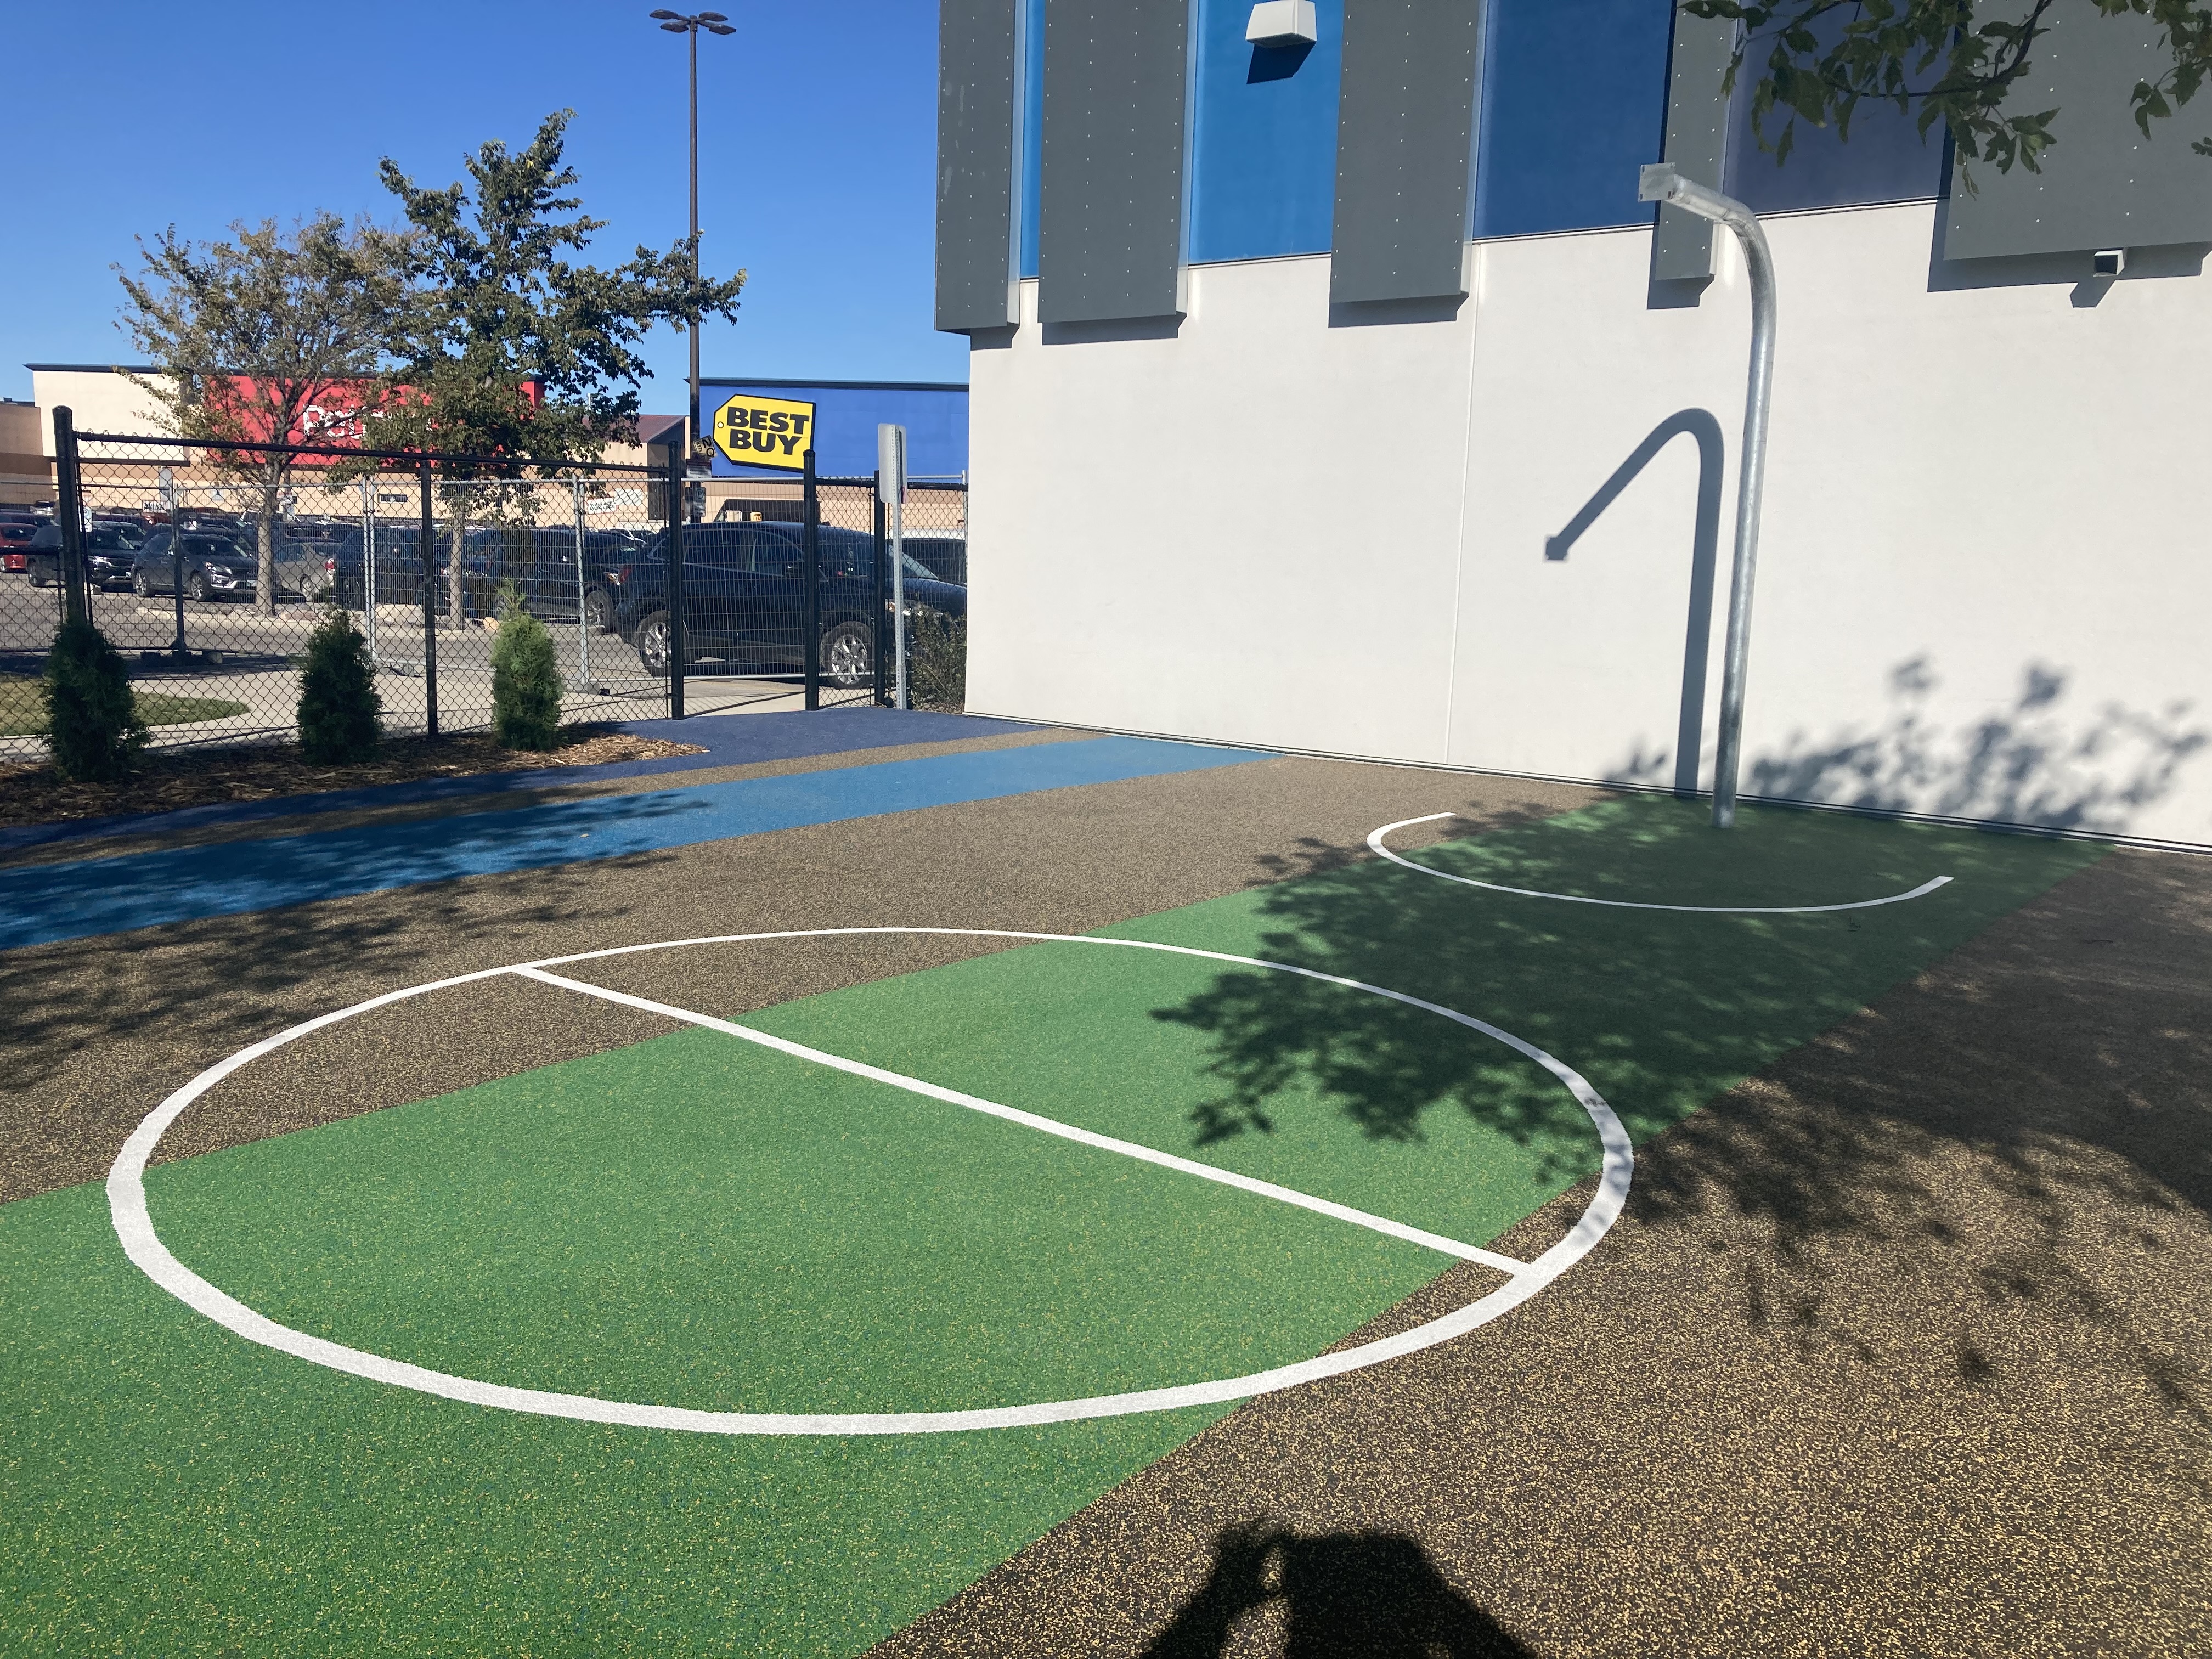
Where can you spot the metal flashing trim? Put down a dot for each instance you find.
(2103, 183)
(1697, 140)
(1112, 226)
(1404, 146)
(978, 137)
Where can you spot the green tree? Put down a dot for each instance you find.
(339, 704)
(1818, 60)
(525, 678)
(514, 351)
(92, 725)
(266, 336)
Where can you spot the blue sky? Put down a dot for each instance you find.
(817, 147)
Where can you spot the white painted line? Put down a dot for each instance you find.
(1375, 843)
(134, 1227)
(1050, 1126)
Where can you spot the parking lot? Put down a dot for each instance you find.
(249, 665)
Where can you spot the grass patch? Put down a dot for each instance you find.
(23, 712)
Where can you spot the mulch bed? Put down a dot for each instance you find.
(170, 779)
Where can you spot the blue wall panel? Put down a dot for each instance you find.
(1032, 132)
(845, 414)
(1264, 177)
(1574, 100)
(1885, 160)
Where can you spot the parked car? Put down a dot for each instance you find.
(540, 561)
(218, 565)
(109, 557)
(16, 529)
(744, 594)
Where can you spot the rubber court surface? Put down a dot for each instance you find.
(1899, 1345)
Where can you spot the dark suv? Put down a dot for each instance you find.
(109, 552)
(541, 562)
(744, 600)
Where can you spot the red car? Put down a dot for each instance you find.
(15, 533)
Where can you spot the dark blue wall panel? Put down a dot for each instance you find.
(1032, 130)
(1264, 176)
(1885, 160)
(1574, 100)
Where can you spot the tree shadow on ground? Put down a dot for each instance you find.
(1339, 1595)
(1997, 1123)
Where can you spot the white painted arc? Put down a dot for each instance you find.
(134, 1229)
(1375, 844)
(1397, 1229)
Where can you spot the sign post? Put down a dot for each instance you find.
(891, 484)
(176, 560)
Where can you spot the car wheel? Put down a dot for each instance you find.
(848, 656)
(140, 586)
(654, 644)
(196, 588)
(598, 611)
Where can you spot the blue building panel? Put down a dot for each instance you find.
(1264, 173)
(846, 415)
(1574, 100)
(1885, 159)
(1032, 175)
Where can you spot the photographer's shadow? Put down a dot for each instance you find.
(1343, 1595)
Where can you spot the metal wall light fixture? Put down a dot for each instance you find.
(677, 22)
(1659, 182)
(1282, 23)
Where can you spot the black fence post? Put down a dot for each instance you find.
(429, 628)
(680, 635)
(811, 573)
(876, 606)
(69, 519)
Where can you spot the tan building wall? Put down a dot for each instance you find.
(25, 474)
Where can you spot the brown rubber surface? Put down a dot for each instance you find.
(1903, 1348)
(100, 1029)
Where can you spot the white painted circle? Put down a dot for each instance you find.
(134, 1227)
(1375, 844)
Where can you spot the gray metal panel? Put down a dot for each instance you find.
(2102, 183)
(1405, 150)
(977, 113)
(1111, 229)
(1697, 140)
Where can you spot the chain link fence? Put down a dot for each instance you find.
(207, 565)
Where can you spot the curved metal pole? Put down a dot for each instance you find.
(1659, 182)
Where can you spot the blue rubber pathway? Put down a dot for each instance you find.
(728, 741)
(45, 902)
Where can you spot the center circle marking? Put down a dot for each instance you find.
(134, 1227)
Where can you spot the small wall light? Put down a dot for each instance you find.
(1282, 23)
(2110, 262)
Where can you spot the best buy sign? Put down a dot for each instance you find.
(765, 431)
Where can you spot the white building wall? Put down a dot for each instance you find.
(98, 400)
(1984, 588)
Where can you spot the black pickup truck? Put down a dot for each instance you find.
(745, 600)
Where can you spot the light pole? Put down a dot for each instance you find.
(677, 22)
(1659, 182)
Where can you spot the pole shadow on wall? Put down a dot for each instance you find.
(1699, 423)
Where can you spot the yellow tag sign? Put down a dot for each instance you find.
(765, 432)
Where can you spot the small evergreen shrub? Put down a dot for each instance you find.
(937, 662)
(92, 725)
(525, 678)
(339, 704)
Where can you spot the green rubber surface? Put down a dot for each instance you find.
(696, 1221)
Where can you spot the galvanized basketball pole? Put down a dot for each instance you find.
(1660, 182)
(890, 486)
